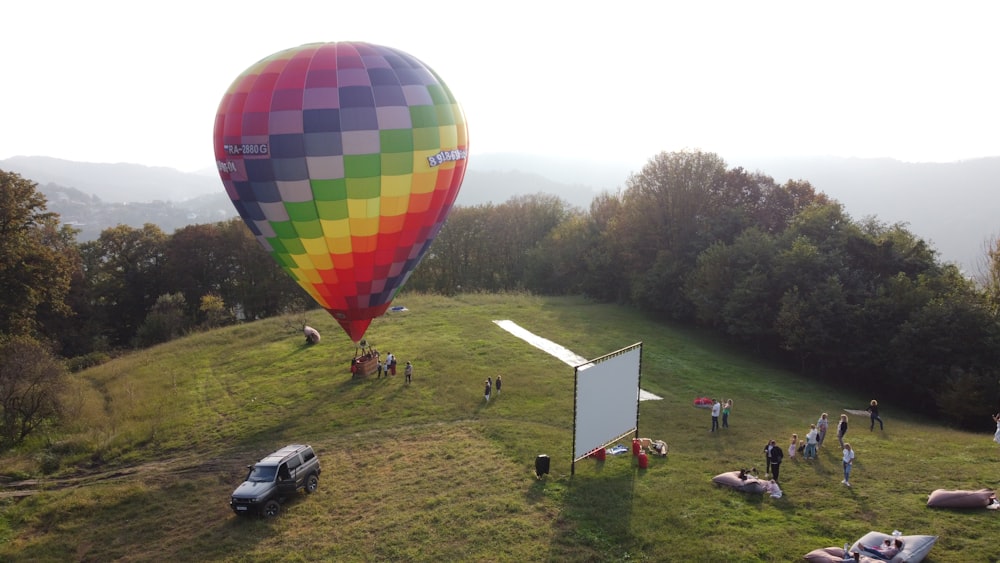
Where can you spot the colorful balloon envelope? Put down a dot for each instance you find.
(344, 159)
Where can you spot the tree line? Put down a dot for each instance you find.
(780, 269)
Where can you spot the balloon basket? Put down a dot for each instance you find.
(365, 367)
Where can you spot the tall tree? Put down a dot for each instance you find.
(195, 263)
(604, 277)
(30, 380)
(35, 263)
(989, 275)
(253, 283)
(124, 267)
(664, 208)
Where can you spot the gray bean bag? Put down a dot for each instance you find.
(942, 498)
(732, 479)
(915, 548)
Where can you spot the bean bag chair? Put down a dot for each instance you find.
(915, 548)
(835, 554)
(942, 498)
(312, 335)
(732, 479)
(825, 554)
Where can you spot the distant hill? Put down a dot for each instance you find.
(114, 183)
(90, 215)
(490, 179)
(954, 206)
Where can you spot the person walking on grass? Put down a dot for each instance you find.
(848, 463)
(497, 384)
(716, 409)
(842, 429)
(873, 411)
(489, 388)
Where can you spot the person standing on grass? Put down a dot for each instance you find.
(821, 427)
(996, 419)
(793, 446)
(728, 406)
(716, 409)
(498, 384)
(810, 452)
(848, 463)
(776, 455)
(873, 411)
(767, 457)
(489, 388)
(408, 372)
(842, 429)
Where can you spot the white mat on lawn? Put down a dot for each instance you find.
(557, 350)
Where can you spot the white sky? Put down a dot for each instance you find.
(140, 82)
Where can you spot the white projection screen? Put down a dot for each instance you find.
(607, 400)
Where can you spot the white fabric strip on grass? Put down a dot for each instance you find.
(557, 350)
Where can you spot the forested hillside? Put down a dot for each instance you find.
(779, 269)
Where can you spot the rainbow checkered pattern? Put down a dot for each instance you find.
(344, 159)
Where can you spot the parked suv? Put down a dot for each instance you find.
(272, 479)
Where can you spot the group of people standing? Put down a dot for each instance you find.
(388, 365)
(490, 385)
(723, 409)
(815, 438)
(385, 366)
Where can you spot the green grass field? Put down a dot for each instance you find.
(160, 438)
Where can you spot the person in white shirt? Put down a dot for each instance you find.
(812, 438)
(848, 462)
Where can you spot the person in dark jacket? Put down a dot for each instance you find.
(775, 455)
(842, 429)
(873, 411)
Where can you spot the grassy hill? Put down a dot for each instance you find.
(429, 472)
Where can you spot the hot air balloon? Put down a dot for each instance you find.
(344, 160)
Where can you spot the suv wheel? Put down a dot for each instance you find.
(271, 509)
(312, 483)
